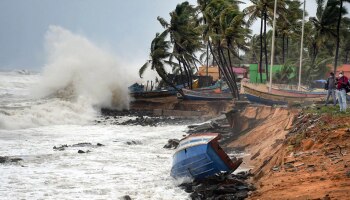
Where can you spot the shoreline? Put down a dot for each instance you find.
(280, 168)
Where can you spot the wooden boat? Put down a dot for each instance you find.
(296, 93)
(257, 95)
(206, 95)
(153, 94)
(199, 156)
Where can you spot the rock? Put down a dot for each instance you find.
(6, 159)
(133, 142)
(126, 197)
(82, 144)
(348, 174)
(81, 151)
(326, 197)
(60, 148)
(241, 195)
(275, 168)
(15, 159)
(172, 143)
(3, 159)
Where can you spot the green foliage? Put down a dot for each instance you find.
(222, 29)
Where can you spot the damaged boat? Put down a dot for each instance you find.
(199, 156)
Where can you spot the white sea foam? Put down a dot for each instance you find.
(78, 79)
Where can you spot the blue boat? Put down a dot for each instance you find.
(207, 95)
(199, 156)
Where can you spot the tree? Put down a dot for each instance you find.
(263, 9)
(185, 38)
(342, 11)
(224, 30)
(158, 56)
(323, 26)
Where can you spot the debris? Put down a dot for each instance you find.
(172, 144)
(81, 151)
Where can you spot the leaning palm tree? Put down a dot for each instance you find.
(185, 38)
(158, 56)
(223, 17)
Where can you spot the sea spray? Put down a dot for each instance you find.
(84, 70)
(77, 80)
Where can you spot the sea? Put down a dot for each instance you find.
(132, 161)
(60, 104)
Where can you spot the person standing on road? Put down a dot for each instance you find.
(342, 83)
(330, 86)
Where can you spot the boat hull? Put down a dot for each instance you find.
(206, 95)
(294, 93)
(152, 94)
(199, 161)
(266, 98)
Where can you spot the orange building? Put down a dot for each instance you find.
(213, 71)
(345, 68)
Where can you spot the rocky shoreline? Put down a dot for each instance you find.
(279, 142)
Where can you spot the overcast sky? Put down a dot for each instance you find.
(124, 27)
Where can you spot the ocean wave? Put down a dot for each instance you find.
(53, 112)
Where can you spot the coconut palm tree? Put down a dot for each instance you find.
(323, 26)
(185, 37)
(289, 25)
(223, 16)
(342, 11)
(158, 56)
(263, 9)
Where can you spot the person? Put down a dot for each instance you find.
(342, 83)
(330, 86)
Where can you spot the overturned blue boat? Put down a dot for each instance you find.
(199, 156)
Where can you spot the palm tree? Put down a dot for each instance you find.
(222, 17)
(288, 25)
(185, 37)
(158, 55)
(342, 11)
(263, 9)
(323, 26)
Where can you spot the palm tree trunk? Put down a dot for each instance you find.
(224, 65)
(287, 46)
(165, 78)
(220, 67)
(181, 75)
(261, 48)
(232, 72)
(265, 47)
(283, 48)
(186, 71)
(207, 59)
(347, 57)
(338, 38)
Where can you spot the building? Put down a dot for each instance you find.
(213, 71)
(345, 68)
(254, 75)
